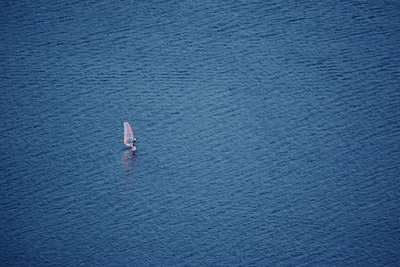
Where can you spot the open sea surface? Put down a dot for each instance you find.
(268, 133)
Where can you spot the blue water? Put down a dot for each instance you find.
(268, 133)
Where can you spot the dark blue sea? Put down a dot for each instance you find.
(268, 133)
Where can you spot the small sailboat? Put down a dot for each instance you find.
(129, 136)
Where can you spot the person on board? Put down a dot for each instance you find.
(134, 145)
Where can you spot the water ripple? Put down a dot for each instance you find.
(267, 133)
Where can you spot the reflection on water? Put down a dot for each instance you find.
(128, 159)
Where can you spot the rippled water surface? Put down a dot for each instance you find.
(268, 133)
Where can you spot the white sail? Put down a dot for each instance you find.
(128, 134)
